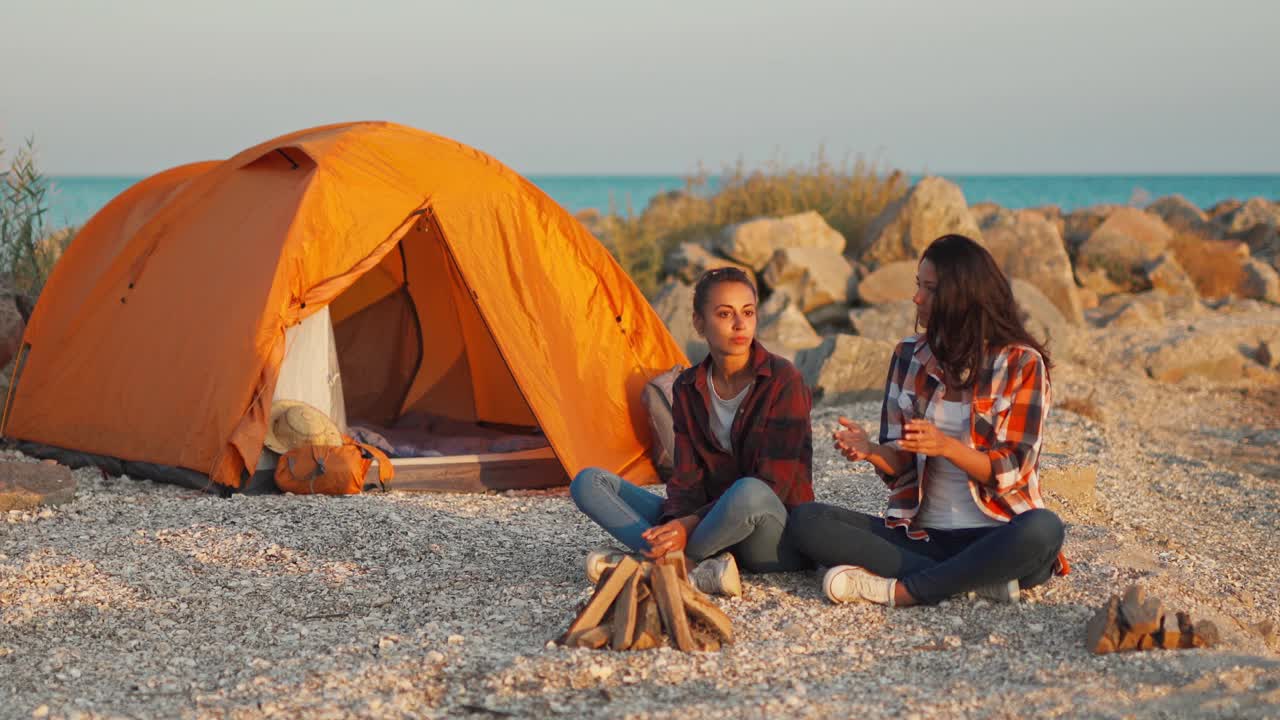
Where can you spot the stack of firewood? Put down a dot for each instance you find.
(1137, 621)
(640, 605)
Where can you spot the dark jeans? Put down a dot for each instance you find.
(949, 563)
(748, 520)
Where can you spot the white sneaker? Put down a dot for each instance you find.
(717, 576)
(1006, 592)
(850, 583)
(601, 559)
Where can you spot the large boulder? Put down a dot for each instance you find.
(1052, 214)
(1123, 245)
(1151, 309)
(1027, 246)
(890, 321)
(754, 242)
(1165, 273)
(846, 368)
(813, 276)
(891, 282)
(1260, 282)
(1263, 242)
(1039, 315)
(1097, 282)
(1255, 211)
(1204, 356)
(674, 304)
(1181, 214)
(1214, 266)
(932, 208)
(983, 212)
(787, 332)
(1078, 225)
(689, 260)
(1222, 208)
(1130, 313)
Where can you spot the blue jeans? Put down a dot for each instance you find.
(748, 520)
(949, 563)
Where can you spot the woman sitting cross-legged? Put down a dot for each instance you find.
(960, 435)
(743, 455)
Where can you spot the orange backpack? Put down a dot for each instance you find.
(331, 470)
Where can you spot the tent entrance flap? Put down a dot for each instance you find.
(411, 342)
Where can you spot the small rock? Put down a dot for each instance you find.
(455, 640)
(600, 672)
(795, 630)
(952, 641)
(1267, 356)
(40, 712)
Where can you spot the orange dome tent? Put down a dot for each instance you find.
(454, 288)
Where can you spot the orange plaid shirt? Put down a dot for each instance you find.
(1010, 404)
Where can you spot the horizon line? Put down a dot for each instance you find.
(938, 173)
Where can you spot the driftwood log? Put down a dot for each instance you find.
(640, 605)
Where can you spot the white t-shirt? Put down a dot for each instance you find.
(948, 501)
(722, 414)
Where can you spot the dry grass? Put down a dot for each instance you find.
(1214, 265)
(848, 195)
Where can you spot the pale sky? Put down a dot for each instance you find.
(554, 86)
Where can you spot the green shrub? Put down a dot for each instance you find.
(27, 253)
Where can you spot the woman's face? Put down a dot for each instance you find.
(926, 286)
(728, 321)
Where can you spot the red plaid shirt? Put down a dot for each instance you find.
(771, 437)
(1010, 404)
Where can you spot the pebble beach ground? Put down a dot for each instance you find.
(146, 600)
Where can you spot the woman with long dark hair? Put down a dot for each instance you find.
(743, 455)
(960, 435)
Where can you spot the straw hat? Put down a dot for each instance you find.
(293, 424)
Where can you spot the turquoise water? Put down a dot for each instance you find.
(73, 200)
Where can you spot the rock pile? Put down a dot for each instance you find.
(1136, 621)
(642, 605)
(1108, 267)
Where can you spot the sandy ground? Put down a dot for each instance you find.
(146, 600)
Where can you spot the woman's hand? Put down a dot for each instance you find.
(668, 537)
(852, 441)
(924, 438)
